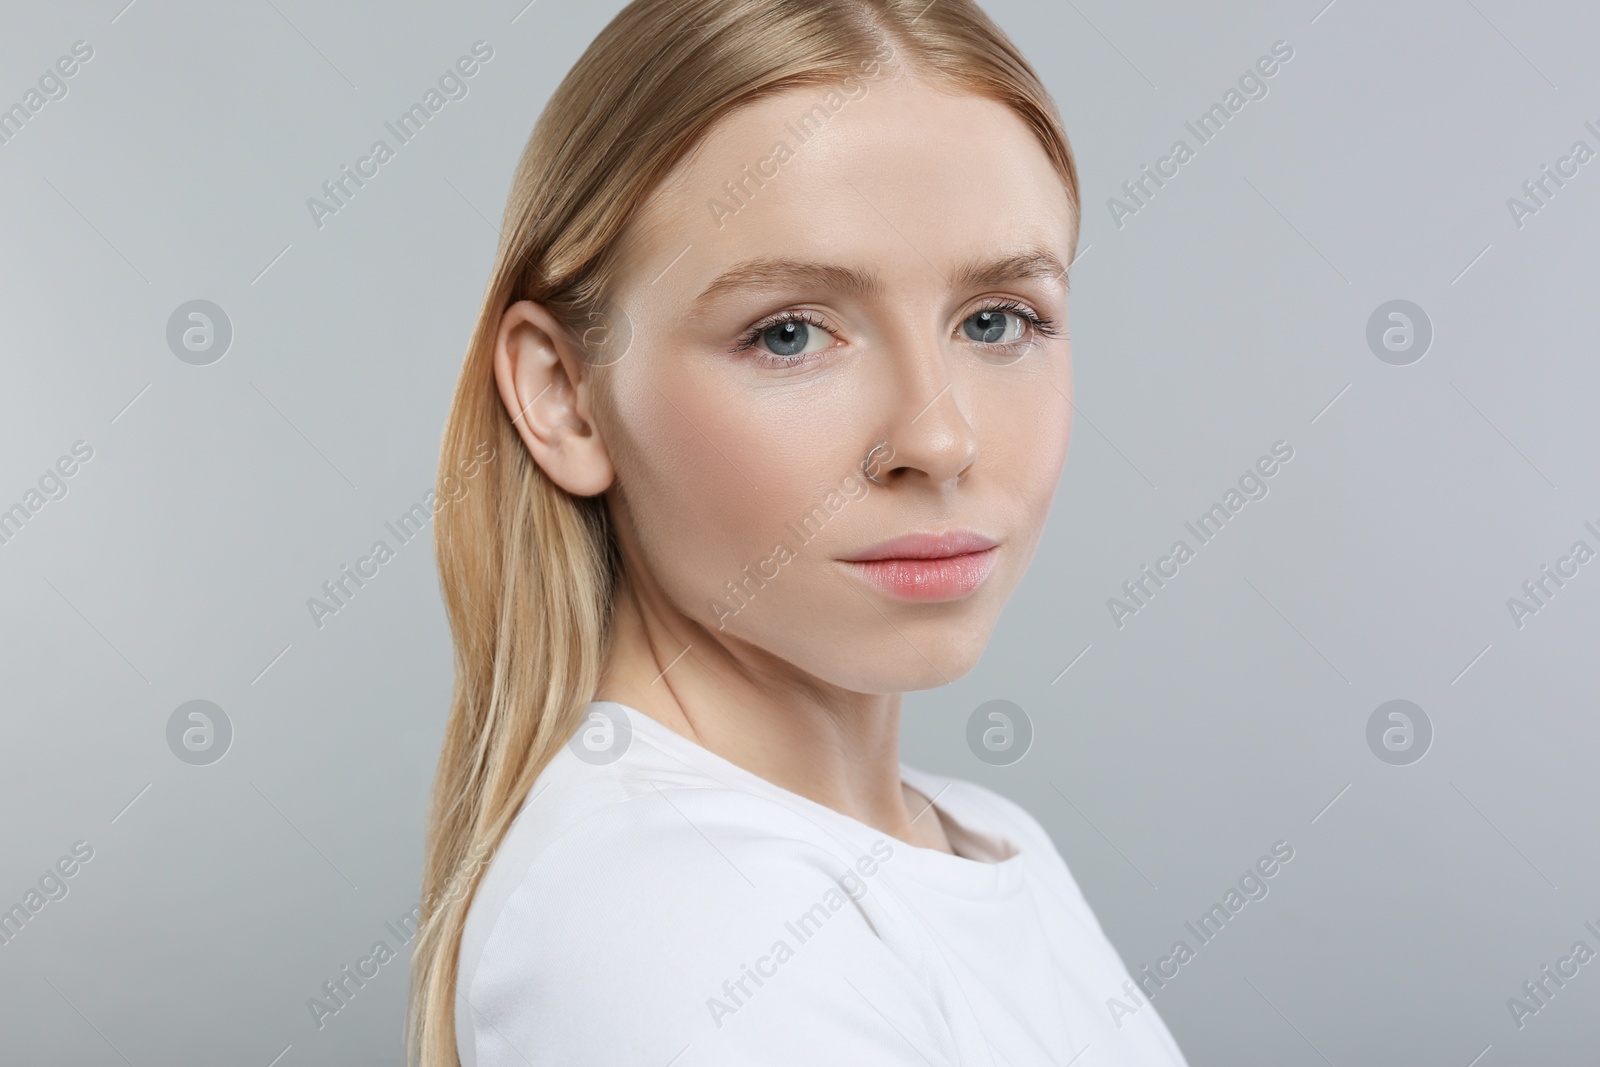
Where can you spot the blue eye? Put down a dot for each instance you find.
(995, 326)
(788, 338)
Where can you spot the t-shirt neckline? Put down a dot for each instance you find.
(955, 875)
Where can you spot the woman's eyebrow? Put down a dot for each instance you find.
(1029, 263)
(791, 273)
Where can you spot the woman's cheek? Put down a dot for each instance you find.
(1027, 448)
(725, 482)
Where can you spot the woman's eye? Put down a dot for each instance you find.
(793, 338)
(995, 326)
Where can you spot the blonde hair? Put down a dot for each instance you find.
(527, 569)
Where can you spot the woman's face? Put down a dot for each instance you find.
(828, 271)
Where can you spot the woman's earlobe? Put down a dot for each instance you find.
(539, 368)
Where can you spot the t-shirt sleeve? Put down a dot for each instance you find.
(669, 930)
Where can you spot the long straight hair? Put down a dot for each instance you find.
(527, 569)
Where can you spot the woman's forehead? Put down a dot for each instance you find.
(898, 169)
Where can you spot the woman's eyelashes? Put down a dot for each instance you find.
(1007, 324)
(791, 338)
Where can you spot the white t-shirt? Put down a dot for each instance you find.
(655, 905)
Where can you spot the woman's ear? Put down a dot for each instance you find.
(540, 373)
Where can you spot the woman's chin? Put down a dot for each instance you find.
(886, 667)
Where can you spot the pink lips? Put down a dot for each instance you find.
(927, 566)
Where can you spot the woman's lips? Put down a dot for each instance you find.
(943, 578)
(927, 566)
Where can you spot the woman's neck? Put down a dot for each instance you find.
(837, 748)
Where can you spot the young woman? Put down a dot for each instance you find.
(774, 363)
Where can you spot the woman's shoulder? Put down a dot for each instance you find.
(652, 839)
(650, 892)
(581, 817)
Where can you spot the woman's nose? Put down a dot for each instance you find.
(926, 422)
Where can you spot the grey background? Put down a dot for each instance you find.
(1230, 713)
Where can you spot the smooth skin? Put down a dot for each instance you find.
(707, 454)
